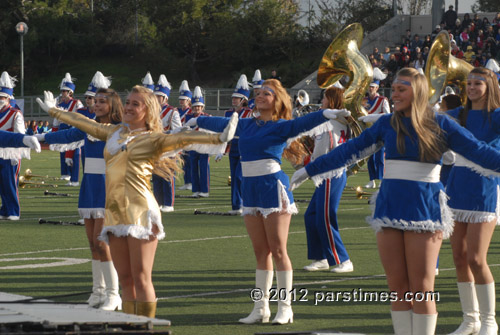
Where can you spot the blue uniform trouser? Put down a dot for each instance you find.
(187, 167)
(64, 167)
(322, 229)
(74, 171)
(200, 172)
(376, 165)
(236, 176)
(8, 188)
(164, 190)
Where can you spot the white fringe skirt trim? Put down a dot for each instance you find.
(210, 149)
(284, 206)
(478, 217)
(67, 146)
(136, 231)
(337, 173)
(91, 213)
(15, 153)
(446, 224)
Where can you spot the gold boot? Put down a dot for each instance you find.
(129, 307)
(146, 308)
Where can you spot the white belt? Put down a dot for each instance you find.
(408, 170)
(261, 167)
(95, 165)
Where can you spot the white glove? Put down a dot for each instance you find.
(40, 137)
(371, 118)
(32, 143)
(14, 162)
(218, 157)
(191, 123)
(298, 178)
(49, 101)
(333, 114)
(228, 133)
(69, 161)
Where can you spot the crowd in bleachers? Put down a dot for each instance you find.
(37, 127)
(475, 40)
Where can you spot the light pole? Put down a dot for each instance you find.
(22, 29)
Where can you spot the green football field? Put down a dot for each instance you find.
(204, 268)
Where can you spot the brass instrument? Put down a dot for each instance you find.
(28, 175)
(23, 183)
(443, 69)
(360, 193)
(343, 58)
(302, 98)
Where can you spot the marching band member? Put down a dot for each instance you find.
(493, 66)
(184, 109)
(11, 119)
(239, 100)
(376, 104)
(410, 216)
(9, 140)
(474, 200)
(91, 202)
(199, 162)
(267, 200)
(164, 190)
(256, 84)
(133, 150)
(324, 244)
(70, 160)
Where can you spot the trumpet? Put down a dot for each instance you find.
(360, 193)
(28, 175)
(23, 183)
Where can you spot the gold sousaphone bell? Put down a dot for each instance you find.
(443, 69)
(343, 58)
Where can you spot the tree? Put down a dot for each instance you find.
(486, 6)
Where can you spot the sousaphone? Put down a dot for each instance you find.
(443, 69)
(343, 58)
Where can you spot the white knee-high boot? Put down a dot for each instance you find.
(261, 311)
(402, 322)
(424, 324)
(468, 300)
(97, 285)
(112, 300)
(486, 300)
(284, 281)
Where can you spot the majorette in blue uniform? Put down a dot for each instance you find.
(92, 191)
(185, 94)
(256, 83)
(199, 162)
(265, 187)
(474, 197)
(72, 157)
(324, 243)
(411, 197)
(239, 97)
(11, 120)
(376, 104)
(164, 190)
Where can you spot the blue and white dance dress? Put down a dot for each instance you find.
(475, 198)
(411, 197)
(92, 199)
(265, 187)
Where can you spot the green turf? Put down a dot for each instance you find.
(204, 269)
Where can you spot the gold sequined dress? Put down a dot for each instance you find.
(131, 208)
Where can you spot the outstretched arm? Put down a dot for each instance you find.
(98, 130)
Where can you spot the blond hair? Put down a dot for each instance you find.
(162, 166)
(492, 93)
(431, 143)
(296, 152)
